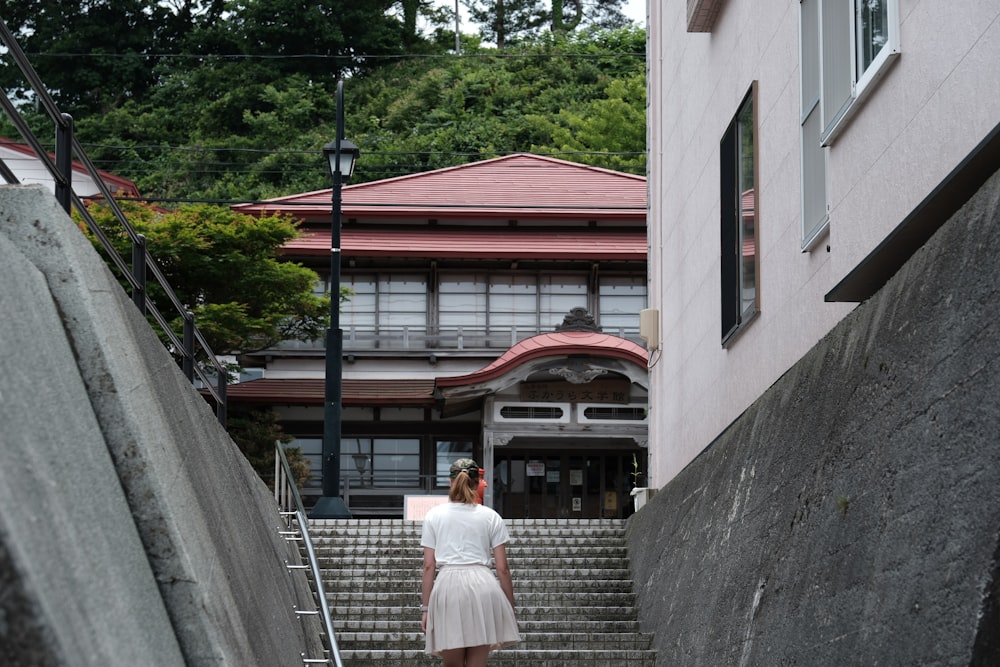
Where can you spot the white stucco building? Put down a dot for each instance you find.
(799, 153)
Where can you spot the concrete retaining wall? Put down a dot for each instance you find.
(132, 530)
(851, 516)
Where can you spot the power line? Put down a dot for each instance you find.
(317, 151)
(352, 58)
(293, 204)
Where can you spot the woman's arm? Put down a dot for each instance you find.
(426, 584)
(503, 572)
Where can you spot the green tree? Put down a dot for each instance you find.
(321, 41)
(216, 132)
(609, 132)
(506, 22)
(95, 56)
(224, 268)
(251, 140)
(413, 116)
(68, 42)
(256, 433)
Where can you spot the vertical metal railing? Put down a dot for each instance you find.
(286, 494)
(211, 372)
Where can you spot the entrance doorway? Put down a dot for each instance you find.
(563, 485)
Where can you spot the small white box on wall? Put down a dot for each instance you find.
(649, 327)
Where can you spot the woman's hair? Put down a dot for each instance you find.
(464, 482)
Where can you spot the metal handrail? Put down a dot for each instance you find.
(143, 262)
(286, 494)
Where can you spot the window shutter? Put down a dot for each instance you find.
(835, 31)
(814, 214)
(813, 156)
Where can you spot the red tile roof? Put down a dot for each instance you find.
(514, 186)
(553, 344)
(513, 243)
(116, 184)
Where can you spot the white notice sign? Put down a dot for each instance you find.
(415, 507)
(535, 469)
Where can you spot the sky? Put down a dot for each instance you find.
(635, 10)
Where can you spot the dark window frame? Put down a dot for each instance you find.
(732, 195)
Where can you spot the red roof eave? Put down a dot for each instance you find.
(323, 212)
(476, 244)
(311, 392)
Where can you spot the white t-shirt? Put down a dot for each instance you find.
(462, 534)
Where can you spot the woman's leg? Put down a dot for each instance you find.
(453, 657)
(475, 656)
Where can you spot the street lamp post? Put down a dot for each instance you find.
(341, 155)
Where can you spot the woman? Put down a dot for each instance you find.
(466, 612)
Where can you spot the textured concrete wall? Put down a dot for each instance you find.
(851, 516)
(132, 530)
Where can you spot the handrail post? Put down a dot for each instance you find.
(188, 363)
(60, 169)
(220, 410)
(64, 160)
(292, 493)
(139, 272)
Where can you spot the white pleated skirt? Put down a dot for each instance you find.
(468, 608)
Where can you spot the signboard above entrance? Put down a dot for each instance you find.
(596, 391)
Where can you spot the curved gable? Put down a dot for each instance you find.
(559, 344)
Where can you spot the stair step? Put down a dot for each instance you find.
(557, 549)
(509, 657)
(574, 641)
(411, 585)
(411, 623)
(369, 613)
(560, 599)
(573, 589)
(381, 574)
(517, 562)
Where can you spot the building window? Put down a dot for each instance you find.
(501, 309)
(312, 452)
(858, 40)
(470, 310)
(462, 302)
(619, 301)
(449, 451)
(557, 295)
(385, 310)
(530, 412)
(876, 39)
(614, 413)
(380, 462)
(739, 236)
(844, 47)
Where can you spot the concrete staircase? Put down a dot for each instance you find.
(575, 604)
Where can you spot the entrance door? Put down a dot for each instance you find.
(562, 485)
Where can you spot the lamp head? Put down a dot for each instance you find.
(349, 153)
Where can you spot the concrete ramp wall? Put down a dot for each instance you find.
(852, 515)
(132, 530)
